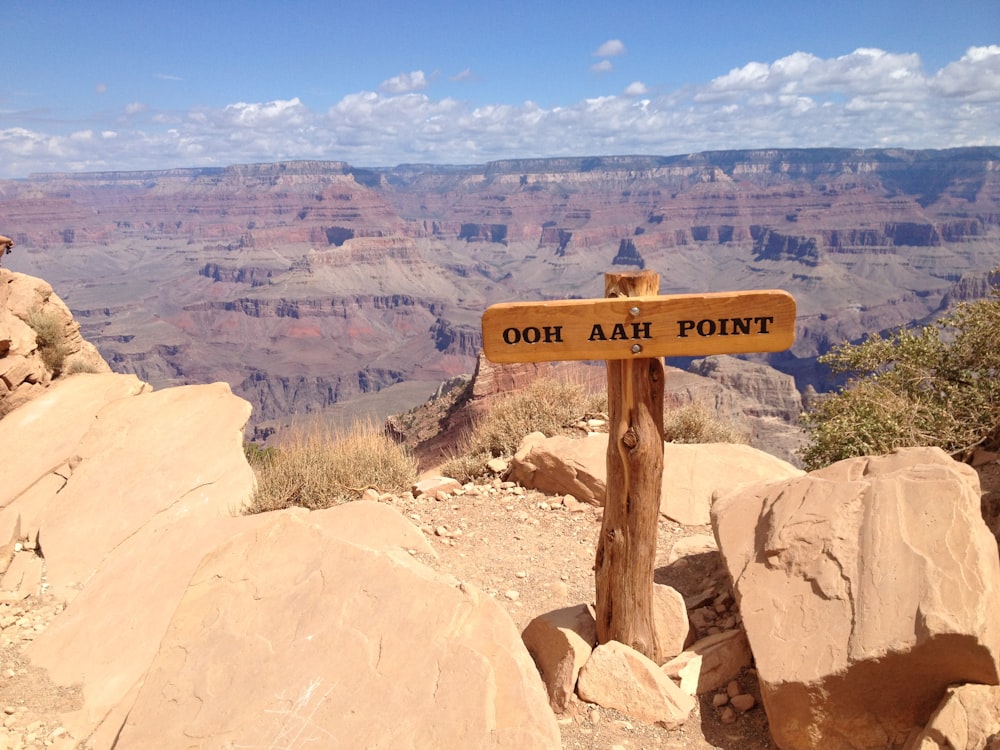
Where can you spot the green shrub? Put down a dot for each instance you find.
(256, 455)
(50, 338)
(937, 385)
(317, 468)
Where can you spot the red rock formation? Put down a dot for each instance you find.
(198, 274)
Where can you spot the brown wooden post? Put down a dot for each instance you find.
(626, 550)
(631, 328)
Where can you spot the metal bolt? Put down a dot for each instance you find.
(634, 311)
(636, 348)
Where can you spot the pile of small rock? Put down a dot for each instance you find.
(23, 616)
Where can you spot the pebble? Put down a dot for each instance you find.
(513, 595)
(743, 702)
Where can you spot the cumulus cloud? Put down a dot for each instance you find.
(404, 83)
(868, 98)
(283, 114)
(604, 66)
(611, 48)
(976, 76)
(863, 72)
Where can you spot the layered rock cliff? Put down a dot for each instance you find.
(307, 283)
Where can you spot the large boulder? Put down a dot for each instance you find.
(148, 481)
(272, 629)
(562, 465)
(44, 434)
(692, 474)
(866, 589)
(175, 452)
(290, 635)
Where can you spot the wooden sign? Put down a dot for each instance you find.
(646, 326)
(632, 328)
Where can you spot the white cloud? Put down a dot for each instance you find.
(869, 98)
(465, 75)
(975, 77)
(101, 88)
(864, 71)
(611, 48)
(404, 83)
(267, 115)
(604, 66)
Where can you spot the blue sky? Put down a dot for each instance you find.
(140, 85)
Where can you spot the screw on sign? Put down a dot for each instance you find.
(632, 328)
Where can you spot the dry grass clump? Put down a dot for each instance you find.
(547, 405)
(697, 422)
(50, 337)
(317, 467)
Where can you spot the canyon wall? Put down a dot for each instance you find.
(308, 284)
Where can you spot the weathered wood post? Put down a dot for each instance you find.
(631, 328)
(626, 549)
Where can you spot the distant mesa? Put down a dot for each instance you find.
(207, 274)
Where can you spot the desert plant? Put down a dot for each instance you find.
(936, 385)
(697, 422)
(466, 466)
(50, 337)
(257, 455)
(79, 366)
(547, 405)
(316, 467)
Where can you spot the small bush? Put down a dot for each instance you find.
(318, 468)
(697, 422)
(256, 455)
(547, 405)
(79, 366)
(50, 337)
(937, 385)
(466, 467)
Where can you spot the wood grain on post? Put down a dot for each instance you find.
(626, 550)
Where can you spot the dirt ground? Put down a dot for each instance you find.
(527, 550)
(534, 555)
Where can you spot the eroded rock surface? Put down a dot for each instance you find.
(692, 474)
(866, 589)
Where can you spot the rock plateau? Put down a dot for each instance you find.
(308, 284)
